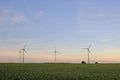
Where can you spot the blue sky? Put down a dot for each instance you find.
(68, 25)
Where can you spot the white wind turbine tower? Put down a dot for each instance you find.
(88, 51)
(55, 52)
(22, 51)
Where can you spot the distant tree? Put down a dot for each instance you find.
(83, 62)
(96, 62)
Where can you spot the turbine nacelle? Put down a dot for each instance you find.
(88, 47)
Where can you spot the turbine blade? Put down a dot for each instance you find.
(89, 52)
(89, 46)
(84, 48)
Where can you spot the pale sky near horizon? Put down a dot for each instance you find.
(68, 25)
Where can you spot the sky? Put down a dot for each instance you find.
(67, 25)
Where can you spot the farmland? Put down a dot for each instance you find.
(59, 71)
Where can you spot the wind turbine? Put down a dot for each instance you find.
(23, 50)
(88, 51)
(55, 52)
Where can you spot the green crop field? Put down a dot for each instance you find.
(59, 71)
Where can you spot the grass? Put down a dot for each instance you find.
(61, 71)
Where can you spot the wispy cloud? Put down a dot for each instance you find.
(18, 18)
(11, 16)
